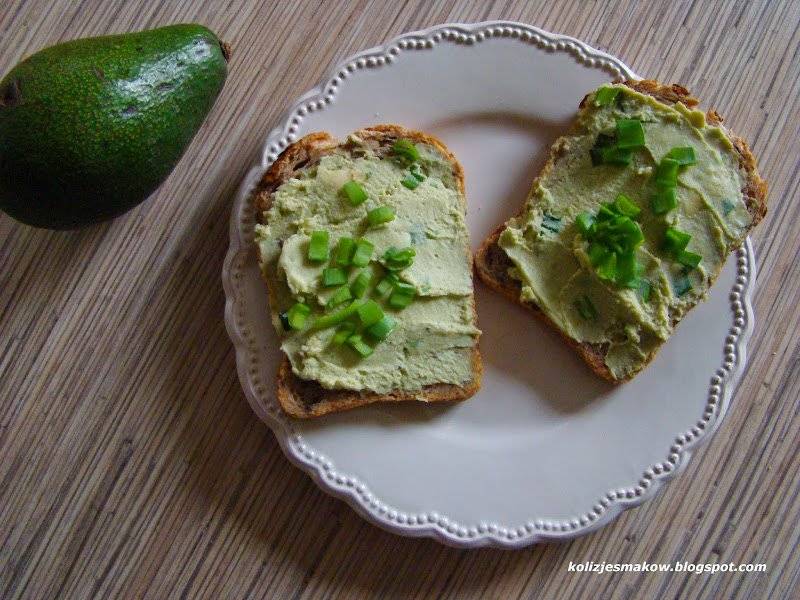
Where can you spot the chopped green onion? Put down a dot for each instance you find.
(339, 316)
(318, 246)
(630, 133)
(382, 329)
(667, 172)
(416, 172)
(354, 193)
(684, 155)
(675, 241)
(626, 270)
(597, 253)
(359, 286)
(606, 211)
(645, 288)
(332, 276)
(343, 294)
(357, 343)
(362, 253)
(344, 331)
(605, 95)
(296, 316)
(380, 215)
(585, 308)
(607, 269)
(690, 260)
(284, 317)
(402, 295)
(369, 313)
(625, 206)
(396, 259)
(584, 222)
(406, 150)
(664, 200)
(386, 284)
(410, 181)
(682, 285)
(551, 223)
(612, 156)
(344, 251)
(727, 207)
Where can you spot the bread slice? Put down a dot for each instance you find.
(302, 398)
(492, 263)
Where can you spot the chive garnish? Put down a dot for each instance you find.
(296, 316)
(339, 316)
(343, 294)
(410, 182)
(359, 286)
(344, 252)
(398, 259)
(318, 246)
(380, 215)
(663, 200)
(386, 284)
(690, 260)
(683, 155)
(354, 193)
(630, 133)
(357, 343)
(402, 295)
(332, 276)
(416, 172)
(369, 313)
(605, 95)
(667, 173)
(675, 243)
(344, 331)
(362, 253)
(381, 330)
(406, 150)
(626, 206)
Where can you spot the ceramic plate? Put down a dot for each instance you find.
(545, 450)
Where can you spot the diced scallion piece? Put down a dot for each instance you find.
(339, 316)
(362, 253)
(396, 259)
(344, 251)
(645, 287)
(682, 285)
(664, 200)
(344, 331)
(360, 284)
(402, 295)
(382, 329)
(341, 295)
(667, 172)
(630, 133)
(357, 343)
(607, 269)
(354, 193)
(386, 284)
(684, 155)
(369, 313)
(614, 155)
(605, 95)
(584, 222)
(380, 215)
(296, 316)
(410, 182)
(416, 172)
(625, 206)
(675, 241)
(586, 308)
(332, 276)
(318, 246)
(690, 260)
(406, 150)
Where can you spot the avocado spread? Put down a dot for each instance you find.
(551, 258)
(433, 337)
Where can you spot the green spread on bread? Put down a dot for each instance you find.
(630, 225)
(370, 271)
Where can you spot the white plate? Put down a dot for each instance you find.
(545, 450)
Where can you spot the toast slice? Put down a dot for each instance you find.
(497, 270)
(306, 398)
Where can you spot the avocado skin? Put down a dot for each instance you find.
(91, 127)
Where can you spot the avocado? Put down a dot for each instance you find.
(91, 127)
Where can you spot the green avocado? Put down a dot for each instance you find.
(91, 127)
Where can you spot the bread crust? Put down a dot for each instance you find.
(305, 399)
(492, 263)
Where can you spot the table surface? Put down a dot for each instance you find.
(130, 462)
